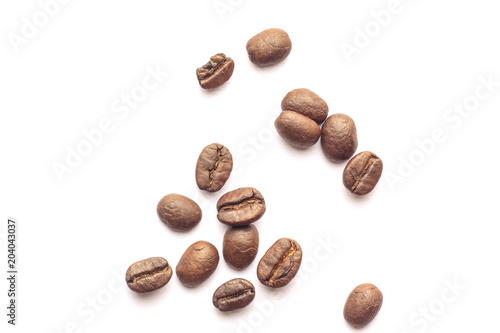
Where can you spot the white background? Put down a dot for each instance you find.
(436, 223)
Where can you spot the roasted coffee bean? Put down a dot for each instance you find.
(269, 47)
(362, 173)
(241, 207)
(280, 263)
(297, 130)
(197, 264)
(234, 294)
(178, 212)
(216, 72)
(240, 246)
(362, 305)
(307, 103)
(339, 138)
(148, 274)
(213, 168)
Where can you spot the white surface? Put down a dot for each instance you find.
(77, 235)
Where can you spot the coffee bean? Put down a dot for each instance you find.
(307, 103)
(178, 212)
(297, 130)
(240, 246)
(339, 138)
(148, 274)
(216, 72)
(241, 207)
(362, 305)
(197, 264)
(234, 294)
(362, 173)
(213, 168)
(269, 47)
(280, 263)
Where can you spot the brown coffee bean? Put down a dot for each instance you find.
(362, 305)
(307, 103)
(362, 173)
(148, 274)
(297, 130)
(213, 168)
(339, 138)
(280, 264)
(240, 246)
(241, 207)
(216, 72)
(178, 212)
(234, 294)
(197, 264)
(269, 47)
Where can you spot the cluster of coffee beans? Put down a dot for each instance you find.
(267, 48)
(299, 125)
(238, 209)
